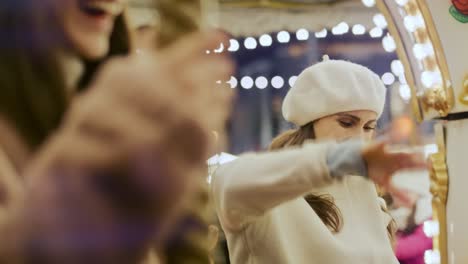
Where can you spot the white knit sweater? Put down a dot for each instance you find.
(259, 202)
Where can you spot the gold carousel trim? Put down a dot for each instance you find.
(403, 56)
(445, 99)
(463, 98)
(439, 189)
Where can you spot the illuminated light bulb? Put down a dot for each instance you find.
(397, 68)
(247, 82)
(432, 257)
(261, 82)
(429, 79)
(421, 51)
(302, 34)
(413, 22)
(376, 32)
(340, 29)
(250, 43)
(368, 3)
(321, 34)
(359, 29)
(277, 82)
(380, 21)
(265, 40)
(292, 80)
(388, 78)
(232, 82)
(389, 43)
(401, 2)
(233, 45)
(431, 227)
(283, 37)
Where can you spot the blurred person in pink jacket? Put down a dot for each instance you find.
(411, 241)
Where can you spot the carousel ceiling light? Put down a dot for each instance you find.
(233, 45)
(368, 3)
(397, 67)
(292, 81)
(379, 20)
(247, 82)
(421, 51)
(359, 29)
(388, 78)
(265, 40)
(413, 22)
(302, 34)
(389, 43)
(432, 257)
(250, 43)
(340, 29)
(401, 2)
(283, 37)
(430, 149)
(430, 79)
(261, 82)
(322, 33)
(431, 227)
(232, 82)
(277, 82)
(376, 32)
(405, 92)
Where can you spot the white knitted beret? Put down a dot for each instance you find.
(330, 87)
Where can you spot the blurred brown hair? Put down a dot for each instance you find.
(323, 205)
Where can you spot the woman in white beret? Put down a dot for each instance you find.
(315, 202)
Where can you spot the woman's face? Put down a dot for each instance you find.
(346, 125)
(88, 24)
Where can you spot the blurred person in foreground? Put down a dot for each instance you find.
(97, 150)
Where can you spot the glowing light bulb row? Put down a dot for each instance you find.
(260, 82)
(266, 40)
(423, 50)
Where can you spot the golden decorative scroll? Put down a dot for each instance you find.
(439, 189)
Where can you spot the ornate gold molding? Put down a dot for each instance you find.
(463, 98)
(439, 189)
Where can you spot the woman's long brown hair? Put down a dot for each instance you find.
(33, 95)
(323, 205)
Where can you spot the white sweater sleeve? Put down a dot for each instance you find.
(255, 183)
